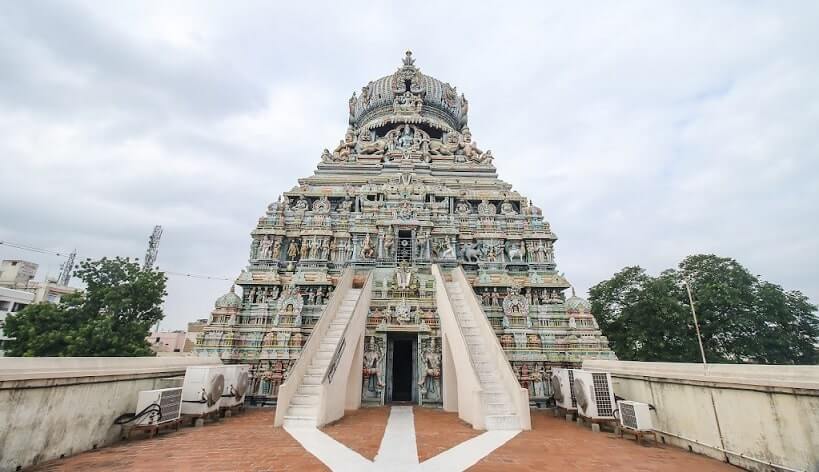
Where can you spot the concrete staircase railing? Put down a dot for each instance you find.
(287, 390)
(461, 386)
(327, 377)
(504, 401)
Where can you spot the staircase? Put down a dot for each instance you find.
(500, 412)
(304, 405)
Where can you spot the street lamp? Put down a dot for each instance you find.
(696, 324)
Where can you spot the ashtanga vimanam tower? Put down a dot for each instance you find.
(403, 270)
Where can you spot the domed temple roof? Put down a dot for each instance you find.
(575, 304)
(408, 96)
(229, 300)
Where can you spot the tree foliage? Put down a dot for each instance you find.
(741, 318)
(112, 317)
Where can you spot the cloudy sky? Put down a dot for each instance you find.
(646, 131)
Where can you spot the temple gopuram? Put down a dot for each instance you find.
(407, 192)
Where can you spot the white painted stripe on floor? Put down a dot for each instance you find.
(468, 453)
(332, 453)
(398, 450)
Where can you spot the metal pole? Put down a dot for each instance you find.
(696, 324)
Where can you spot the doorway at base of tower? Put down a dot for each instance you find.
(402, 368)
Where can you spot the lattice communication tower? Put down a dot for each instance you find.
(153, 248)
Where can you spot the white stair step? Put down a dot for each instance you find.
(308, 389)
(498, 409)
(493, 397)
(292, 421)
(315, 371)
(306, 410)
(304, 400)
(312, 379)
(496, 422)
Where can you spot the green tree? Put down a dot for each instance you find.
(112, 317)
(742, 318)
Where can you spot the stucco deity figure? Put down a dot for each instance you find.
(264, 248)
(319, 296)
(314, 249)
(468, 148)
(274, 294)
(269, 338)
(486, 297)
(421, 245)
(508, 209)
(345, 147)
(463, 208)
(491, 256)
(405, 140)
(323, 250)
(353, 101)
(367, 250)
(311, 297)
(301, 205)
(389, 242)
(495, 298)
(282, 337)
(403, 277)
(538, 377)
(372, 366)
(333, 250)
(275, 253)
(326, 156)
(431, 370)
(447, 250)
(305, 249)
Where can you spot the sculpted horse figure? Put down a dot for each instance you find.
(471, 252)
(516, 251)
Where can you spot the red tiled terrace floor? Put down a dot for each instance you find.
(250, 442)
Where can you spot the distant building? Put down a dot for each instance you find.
(167, 341)
(11, 301)
(17, 273)
(49, 291)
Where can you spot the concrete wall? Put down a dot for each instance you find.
(53, 407)
(757, 417)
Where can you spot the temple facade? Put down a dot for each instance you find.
(408, 187)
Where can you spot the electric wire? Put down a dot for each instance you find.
(130, 417)
(63, 254)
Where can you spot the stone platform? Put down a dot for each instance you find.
(250, 442)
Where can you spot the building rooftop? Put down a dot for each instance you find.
(250, 442)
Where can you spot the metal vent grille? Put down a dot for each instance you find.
(169, 402)
(571, 388)
(628, 415)
(602, 396)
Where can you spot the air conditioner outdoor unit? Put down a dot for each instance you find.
(168, 400)
(594, 394)
(635, 416)
(562, 388)
(237, 379)
(202, 390)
